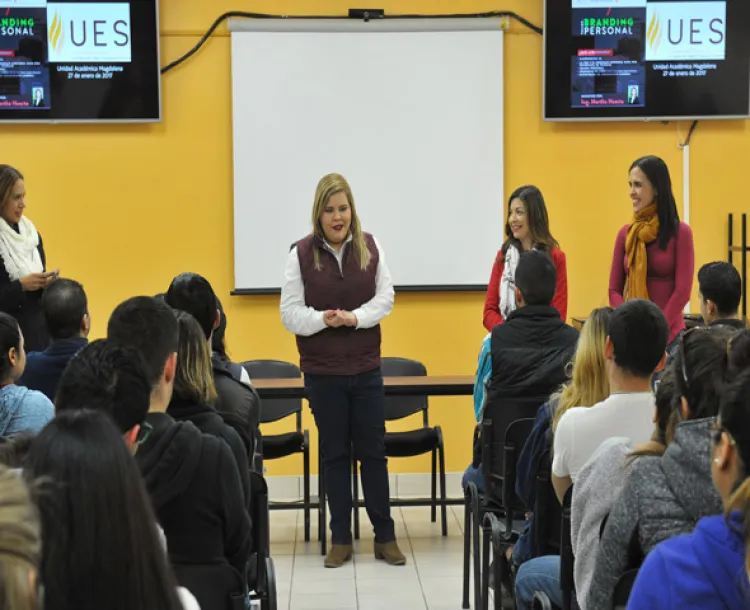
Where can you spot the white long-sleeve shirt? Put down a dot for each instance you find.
(302, 320)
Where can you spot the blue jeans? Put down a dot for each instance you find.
(538, 574)
(473, 475)
(349, 412)
(522, 549)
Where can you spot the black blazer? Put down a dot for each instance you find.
(25, 306)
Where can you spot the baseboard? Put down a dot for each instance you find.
(403, 486)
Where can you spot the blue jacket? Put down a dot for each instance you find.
(484, 368)
(539, 440)
(44, 369)
(23, 410)
(705, 569)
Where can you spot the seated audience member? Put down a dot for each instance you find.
(587, 385)
(473, 474)
(238, 404)
(219, 349)
(21, 409)
(192, 478)
(195, 393)
(602, 478)
(66, 314)
(720, 289)
(634, 349)
(638, 334)
(101, 544)
(530, 350)
(20, 546)
(739, 352)
(666, 496)
(709, 568)
(13, 450)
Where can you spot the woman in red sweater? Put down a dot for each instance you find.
(654, 256)
(527, 228)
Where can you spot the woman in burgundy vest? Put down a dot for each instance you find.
(336, 291)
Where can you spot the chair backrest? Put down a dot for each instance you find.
(496, 422)
(515, 438)
(567, 582)
(623, 588)
(398, 407)
(547, 510)
(214, 586)
(274, 409)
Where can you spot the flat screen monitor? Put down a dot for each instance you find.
(79, 61)
(646, 59)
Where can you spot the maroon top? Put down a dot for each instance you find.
(670, 275)
(343, 350)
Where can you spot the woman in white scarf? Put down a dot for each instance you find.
(527, 228)
(22, 272)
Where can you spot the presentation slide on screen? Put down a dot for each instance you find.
(44, 41)
(621, 44)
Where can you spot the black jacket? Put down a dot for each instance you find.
(25, 307)
(195, 490)
(44, 369)
(530, 351)
(239, 405)
(208, 421)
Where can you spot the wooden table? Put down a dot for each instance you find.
(431, 385)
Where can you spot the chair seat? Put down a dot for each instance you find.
(411, 443)
(281, 445)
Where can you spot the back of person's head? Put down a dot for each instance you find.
(194, 379)
(536, 278)
(721, 290)
(588, 383)
(101, 545)
(739, 352)
(192, 293)
(218, 343)
(734, 438)
(12, 355)
(664, 420)
(20, 544)
(700, 365)
(149, 326)
(638, 332)
(106, 376)
(13, 450)
(66, 309)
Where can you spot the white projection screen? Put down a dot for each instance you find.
(409, 111)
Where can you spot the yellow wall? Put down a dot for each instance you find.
(125, 208)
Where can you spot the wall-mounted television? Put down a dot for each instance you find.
(79, 61)
(610, 60)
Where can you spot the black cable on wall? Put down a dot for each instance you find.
(245, 15)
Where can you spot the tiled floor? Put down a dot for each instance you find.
(431, 579)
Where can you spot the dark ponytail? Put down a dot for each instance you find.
(10, 337)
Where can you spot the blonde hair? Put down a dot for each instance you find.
(331, 185)
(588, 382)
(20, 543)
(194, 379)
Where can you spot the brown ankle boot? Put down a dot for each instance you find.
(390, 553)
(338, 555)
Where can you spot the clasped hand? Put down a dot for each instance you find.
(338, 317)
(38, 281)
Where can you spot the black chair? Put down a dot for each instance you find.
(501, 533)
(261, 574)
(623, 588)
(547, 511)
(497, 420)
(567, 561)
(282, 445)
(411, 443)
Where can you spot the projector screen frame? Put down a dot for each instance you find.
(394, 25)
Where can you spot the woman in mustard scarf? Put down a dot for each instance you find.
(654, 256)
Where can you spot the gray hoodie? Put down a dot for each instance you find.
(662, 498)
